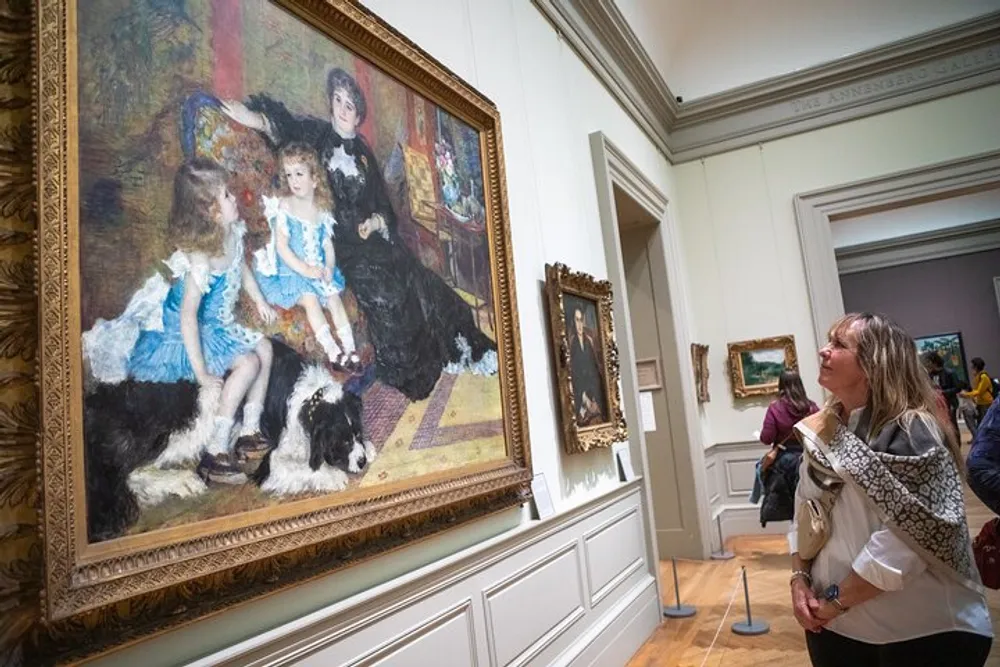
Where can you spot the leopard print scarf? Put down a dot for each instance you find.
(919, 496)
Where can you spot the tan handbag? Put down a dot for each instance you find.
(814, 523)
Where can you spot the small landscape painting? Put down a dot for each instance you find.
(756, 365)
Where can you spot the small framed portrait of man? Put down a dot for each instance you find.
(586, 359)
(585, 356)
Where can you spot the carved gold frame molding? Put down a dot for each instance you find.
(699, 360)
(941, 62)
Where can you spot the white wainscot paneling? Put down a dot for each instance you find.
(733, 467)
(613, 552)
(573, 590)
(447, 640)
(712, 480)
(740, 474)
(519, 626)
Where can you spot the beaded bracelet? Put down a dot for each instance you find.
(803, 575)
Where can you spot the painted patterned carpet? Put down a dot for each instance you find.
(457, 425)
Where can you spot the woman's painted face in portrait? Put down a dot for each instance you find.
(228, 211)
(343, 113)
(300, 181)
(839, 370)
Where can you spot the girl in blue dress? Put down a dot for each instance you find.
(199, 339)
(298, 266)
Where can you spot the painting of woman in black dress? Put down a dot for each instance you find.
(589, 402)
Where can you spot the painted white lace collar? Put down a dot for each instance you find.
(342, 162)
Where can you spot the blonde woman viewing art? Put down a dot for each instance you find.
(883, 567)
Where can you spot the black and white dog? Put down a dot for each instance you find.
(143, 440)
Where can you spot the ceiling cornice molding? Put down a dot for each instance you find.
(954, 39)
(935, 64)
(922, 247)
(599, 33)
(942, 62)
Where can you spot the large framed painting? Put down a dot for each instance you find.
(586, 358)
(756, 365)
(278, 323)
(952, 351)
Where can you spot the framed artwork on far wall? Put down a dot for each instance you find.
(699, 359)
(755, 365)
(586, 357)
(233, 397)
(952, 351)
(996, 290)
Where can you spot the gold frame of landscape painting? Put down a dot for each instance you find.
(772, 355)
(586, 359)
(136, 583)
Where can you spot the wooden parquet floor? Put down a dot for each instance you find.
(708, 585)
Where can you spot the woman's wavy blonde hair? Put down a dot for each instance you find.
(899, 388)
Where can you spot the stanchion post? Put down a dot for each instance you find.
(750, 627)
(680, 610)
(721, 554)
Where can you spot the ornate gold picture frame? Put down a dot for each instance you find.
(168, 572)
(586, 358)
(699, 360)
(755, 365)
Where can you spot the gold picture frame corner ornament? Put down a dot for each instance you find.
(598, 421)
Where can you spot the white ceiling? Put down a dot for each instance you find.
(908, 220)
(703, 47)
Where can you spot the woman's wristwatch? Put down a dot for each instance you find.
(832, 595)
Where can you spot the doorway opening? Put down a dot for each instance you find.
(642, 253)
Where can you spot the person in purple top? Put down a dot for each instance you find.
(779, 470)
(791, 407)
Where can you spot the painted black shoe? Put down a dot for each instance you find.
(252, 447)
(220, 469)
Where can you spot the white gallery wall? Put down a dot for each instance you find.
(741, 242)
(549, 103)
(744, 262)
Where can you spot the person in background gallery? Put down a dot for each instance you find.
(982, 389)
(791, 406)
(894, 581)
(946, 382)
(588, 387)
(983, 463)
(778, 470)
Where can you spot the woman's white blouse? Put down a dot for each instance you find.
(918, 601)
